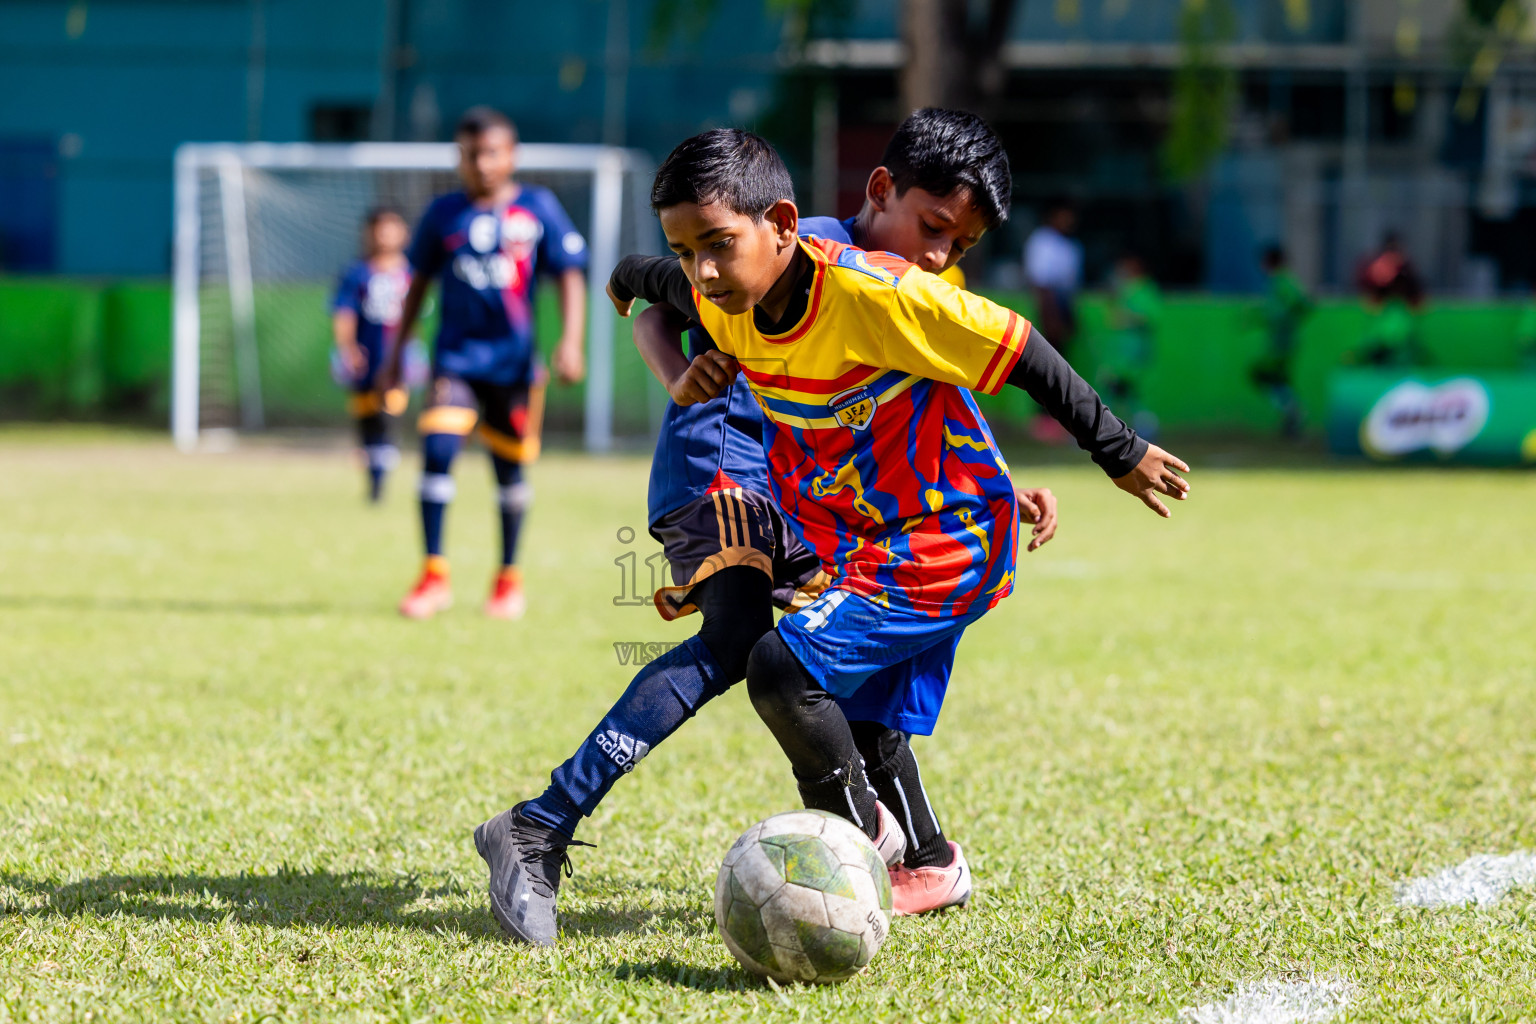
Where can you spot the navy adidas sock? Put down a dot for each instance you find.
(737, 606)
(437, 487)
(661, 698)
(513, 495)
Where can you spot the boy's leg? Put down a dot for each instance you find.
(812, 732)
(525, 846)
(511, 431)
(369, 411)
(443, 426)
(737, 608)
(513, 496)
(382, 456)
(893, 772)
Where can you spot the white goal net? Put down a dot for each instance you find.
(263, 230)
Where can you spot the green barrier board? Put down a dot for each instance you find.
(1394, 416)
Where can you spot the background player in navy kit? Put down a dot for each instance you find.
(732, 553)
(488, 243)
(364, 318)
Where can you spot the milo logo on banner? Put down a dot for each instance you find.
(1411, 417)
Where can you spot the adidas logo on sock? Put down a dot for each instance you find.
(624, 751)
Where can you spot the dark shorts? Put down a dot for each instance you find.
(510, 415)
(734, 526)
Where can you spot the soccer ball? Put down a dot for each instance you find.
(803, 896)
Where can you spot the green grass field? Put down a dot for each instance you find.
(1185, 755)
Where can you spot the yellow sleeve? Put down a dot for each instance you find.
(947, 334)
(954, 275)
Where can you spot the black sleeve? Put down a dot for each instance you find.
(654, 279)
(1046, 377)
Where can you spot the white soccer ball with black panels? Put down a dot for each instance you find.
(803, 896)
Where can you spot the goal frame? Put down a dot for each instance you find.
(607, 166)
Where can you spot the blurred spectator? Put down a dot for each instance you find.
(1286, 306)
(1390, 274)
(1053, 268)
(1392, 288)
(1136, 307)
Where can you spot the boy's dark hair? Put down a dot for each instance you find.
(378, 213)
(939, 151)
(1273, 257)
(476, 121)
(723, 165)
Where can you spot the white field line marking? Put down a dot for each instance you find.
(1482, 879)
(1308, 1001)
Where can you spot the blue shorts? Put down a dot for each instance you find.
(884, 666)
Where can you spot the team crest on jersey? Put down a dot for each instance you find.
(854, 408)
(520, 229)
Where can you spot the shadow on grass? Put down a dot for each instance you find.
(182, 606)
(284, 899)
(294, 898)
(618, 918)
(703, 979)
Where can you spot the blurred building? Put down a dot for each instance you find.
(1351, 117)
(95, 96)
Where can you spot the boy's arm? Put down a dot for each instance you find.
(344, 331)
(570, 356)
(658, 335)
(410, 312)
(562, 253)
(426, 258)
(654, 279)
(937, 331)
(1138, 468)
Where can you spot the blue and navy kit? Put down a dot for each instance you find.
(710, 445)
(489, 258)
(375, 298)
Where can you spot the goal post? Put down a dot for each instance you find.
(261, 230)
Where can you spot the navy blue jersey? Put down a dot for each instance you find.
(375, 297)
(709, 446)
(488, 259)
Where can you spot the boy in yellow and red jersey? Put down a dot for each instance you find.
(877, 454)
(942, 183)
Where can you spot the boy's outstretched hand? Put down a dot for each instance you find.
(1038, 505)
(1155, 475)
(706, 377)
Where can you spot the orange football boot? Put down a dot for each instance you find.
(919, 890)
(507, 600)
(431, 594)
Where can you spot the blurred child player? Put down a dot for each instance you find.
(863, 365)
(488, 244)
(364, 318)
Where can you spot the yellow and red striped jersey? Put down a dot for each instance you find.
(875, 446)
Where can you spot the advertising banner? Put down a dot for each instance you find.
(1398, 416)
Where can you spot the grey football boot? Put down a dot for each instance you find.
(525, 859)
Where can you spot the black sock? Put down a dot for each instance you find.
(846, 793)
(813, 733)
(892, 770)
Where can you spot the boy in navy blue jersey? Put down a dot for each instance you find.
(488, 244)
(364, 316)
(734, 557)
